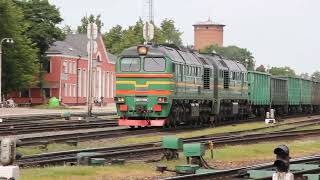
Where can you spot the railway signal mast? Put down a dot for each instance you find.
(148, 28)
(92, 34)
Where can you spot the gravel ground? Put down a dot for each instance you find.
(32, 111)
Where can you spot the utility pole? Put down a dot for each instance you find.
(92, 34)
(8, 40)
(151, 10)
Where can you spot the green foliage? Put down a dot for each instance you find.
(117, 38)
(261, 68)
(86, 20)
(242, 55)
(170, 33)
(316, 76)
(43, 19)
(282, 71)
(305, 75)
(19, 58)
(67, 29)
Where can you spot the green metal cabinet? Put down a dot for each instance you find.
(193, 150)
(171, 142)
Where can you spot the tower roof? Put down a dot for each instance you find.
(209, 22)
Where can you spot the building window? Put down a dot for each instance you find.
(74, 68)
(70, 67)
(65, 67)
(25, 93)
(65, 90)
(98, 58)
(74, 90)
(70, 90)
(47, 92)
(47, 66)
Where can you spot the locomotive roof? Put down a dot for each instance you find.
(181, 55)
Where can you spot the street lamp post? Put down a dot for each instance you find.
(8, 40)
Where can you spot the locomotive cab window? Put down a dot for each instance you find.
(154, 64)
(130, 64)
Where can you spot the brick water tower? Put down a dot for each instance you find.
(207, 33)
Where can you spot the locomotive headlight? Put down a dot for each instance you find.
(119, 99)
(162, 99)
(142, 50)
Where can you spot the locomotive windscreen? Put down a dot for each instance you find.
(154, 64)
(130, 64)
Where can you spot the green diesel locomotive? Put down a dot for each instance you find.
(165, 85)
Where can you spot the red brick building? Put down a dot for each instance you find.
(68, 72)
(207, 33)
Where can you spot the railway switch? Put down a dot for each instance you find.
(66, 115)
(171, 146)
(85, 158)
(195, 151)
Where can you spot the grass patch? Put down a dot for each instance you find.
(226, 156)
(129, 171)
(51, 148)
(151, 138)
(46, 106)
(140, 139)
(202, 132)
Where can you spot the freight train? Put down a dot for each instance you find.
(166, 85)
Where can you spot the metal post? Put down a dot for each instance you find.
(0, 70)
(89, 96)
(9, 40)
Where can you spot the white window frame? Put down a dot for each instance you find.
(79, 82)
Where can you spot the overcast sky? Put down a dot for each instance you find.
(278, 32)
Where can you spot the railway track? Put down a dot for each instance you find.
(83, 136)
(242, 172)
(150, 149)
(31, 127)
(104, 134)
(44, 117)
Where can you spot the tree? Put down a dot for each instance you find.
(43, 19)
(316, 76)
(170, 33)
(234, 53)
(67, 29)
(305, 75)
(282, 71)
(19, 59)
(86, 20)
(117, 38)
(261, 68)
